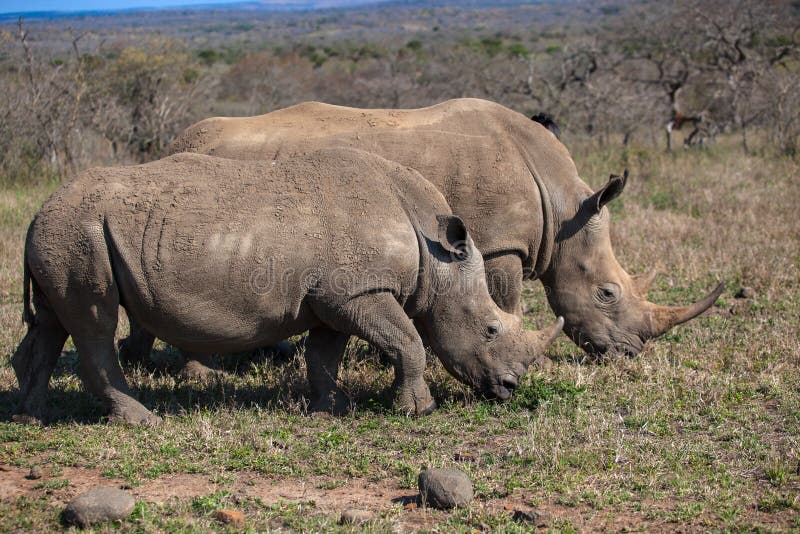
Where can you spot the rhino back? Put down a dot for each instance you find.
(465, 147)
(209, 251)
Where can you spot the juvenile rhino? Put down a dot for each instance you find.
(511, 181)
(222, 255)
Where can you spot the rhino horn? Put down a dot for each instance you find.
(662, 318)
(539, 340)
(643, 282)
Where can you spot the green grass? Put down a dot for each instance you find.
(699, 432)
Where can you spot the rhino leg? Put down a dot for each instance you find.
(198, 366)
(324, 351)
(135, 349)
(378, 318)
(35, 359)
(504, 278)
(91, 319)
(102, 376)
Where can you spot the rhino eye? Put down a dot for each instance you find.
(608, 293)
(493, 330)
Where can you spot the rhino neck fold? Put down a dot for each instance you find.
(545, 252)
(419, 301)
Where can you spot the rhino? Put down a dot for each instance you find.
(512, 182)
(210, 253)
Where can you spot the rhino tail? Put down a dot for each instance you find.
(28, 316)
(27, 310)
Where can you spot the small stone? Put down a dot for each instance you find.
(535, 517)
(352, 516)
(230, 517)
(464, 457)
(35, 473)
(97, 505)
(745, 293)
(445, 488)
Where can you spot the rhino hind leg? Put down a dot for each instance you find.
(378, 318)
(102, 376)
(198, 366)
(504, 278)
(90, 315)
(323, 353)
(35, 359)
(135, 349)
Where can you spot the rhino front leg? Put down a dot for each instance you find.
(378, 319)
(504, 278)
(324, 351)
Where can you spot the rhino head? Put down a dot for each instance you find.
(605, 308)
(475, 340)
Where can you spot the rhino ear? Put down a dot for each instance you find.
(453, 236)
(608, 192)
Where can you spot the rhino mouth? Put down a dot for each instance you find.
(628, 347)
(628, 350)
(503, 388)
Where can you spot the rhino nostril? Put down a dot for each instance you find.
(509, 383)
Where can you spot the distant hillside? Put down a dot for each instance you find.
(271, 6)
(262, 5)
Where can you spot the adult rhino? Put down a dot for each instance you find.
(215, 254)
(512, 182)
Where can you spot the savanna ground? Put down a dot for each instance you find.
(698, 433)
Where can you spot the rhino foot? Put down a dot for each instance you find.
(415, 400)
(25, 419)
(196, 371)
(430, 409)
(335, 403)
(133, 413)
(30, 413)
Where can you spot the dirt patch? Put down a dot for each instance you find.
(331, 497)
(360, 493)
(14, 483)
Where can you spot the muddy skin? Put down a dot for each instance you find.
(219, 255)
(512, 182)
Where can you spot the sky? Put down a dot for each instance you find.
(13, 6)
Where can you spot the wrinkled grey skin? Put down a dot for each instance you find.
(512, 182)
(222, 255)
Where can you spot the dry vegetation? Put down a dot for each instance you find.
(698, 433)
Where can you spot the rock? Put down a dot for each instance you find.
(534, 517)
(444, 488)
(97, 505)
(464, 457)
(352, 516)
(35, 473)
(230, 517)
(745, 293)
